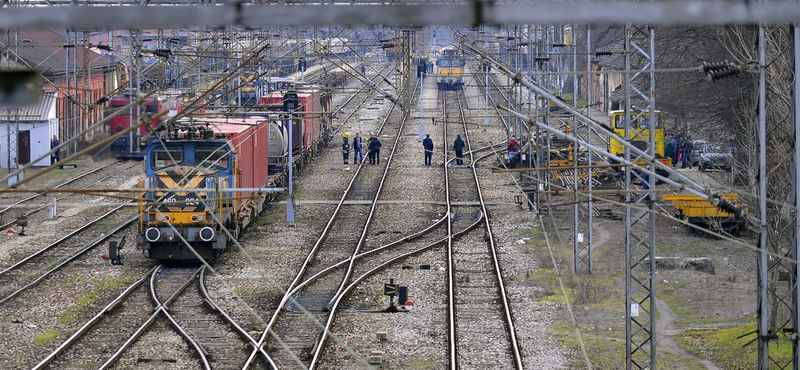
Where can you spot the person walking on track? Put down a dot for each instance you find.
(428, 145)
(458, 147)
(346, 147)
(358, 153)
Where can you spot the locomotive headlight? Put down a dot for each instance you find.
(152, 234)
(163, 218)
(200, 218)
(206, 234)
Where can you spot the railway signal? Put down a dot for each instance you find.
(391, 289)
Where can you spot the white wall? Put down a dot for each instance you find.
(41, 132)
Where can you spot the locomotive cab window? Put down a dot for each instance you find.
(151, 108)
(166, 157)
(209, 156)
(640, 123)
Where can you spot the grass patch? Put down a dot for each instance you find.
(607, 350)
(725, 347)
(568, 98)
(595, 288)
(46, 337)
(101, 286)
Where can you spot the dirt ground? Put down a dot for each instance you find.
(685, 299)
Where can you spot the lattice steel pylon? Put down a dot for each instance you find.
(406, 74)
(582, 240)
(640, 315)
(778, 131)
(795, 178)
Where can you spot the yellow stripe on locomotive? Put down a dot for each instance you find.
(450, 69)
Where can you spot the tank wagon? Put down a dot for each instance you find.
(310, 123)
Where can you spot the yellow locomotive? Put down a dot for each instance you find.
(639, 136)
(450, 69)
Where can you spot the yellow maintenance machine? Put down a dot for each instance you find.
(698, 211)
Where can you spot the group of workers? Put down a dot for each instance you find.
(373, 148)
(679, 149)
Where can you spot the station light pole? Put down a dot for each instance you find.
(290, 101)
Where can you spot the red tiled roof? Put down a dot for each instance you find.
(44, 49)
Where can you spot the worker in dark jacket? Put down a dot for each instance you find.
(56, 156)
(346, 147)
(428, 145)
(458, 147)
(358, 153)
(374, 146)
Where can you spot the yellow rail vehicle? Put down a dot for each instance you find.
(639, 136)
(698, 211)
(450, 69)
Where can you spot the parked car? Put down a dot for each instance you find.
(707, 156)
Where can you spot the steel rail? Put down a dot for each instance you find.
(26, 259)
(352, 96)
(157, 310)
(395, 243)
(76, 178)
(210, 300)
(94, 320)
(362, 239)
(163, 308)
(451, 317)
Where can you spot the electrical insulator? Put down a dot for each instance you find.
(602, 53)
(723, 73)
(163, 53)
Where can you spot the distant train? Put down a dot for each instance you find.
(450, 69)
(128, 146)
(220, 157)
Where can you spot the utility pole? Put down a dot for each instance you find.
(582, 240)
(640, 238)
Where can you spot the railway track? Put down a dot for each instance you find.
(108, 330)
(34, 268)
(298, 331)
(106, 337)
(294, 334)
(82, 176)
(478, 305)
